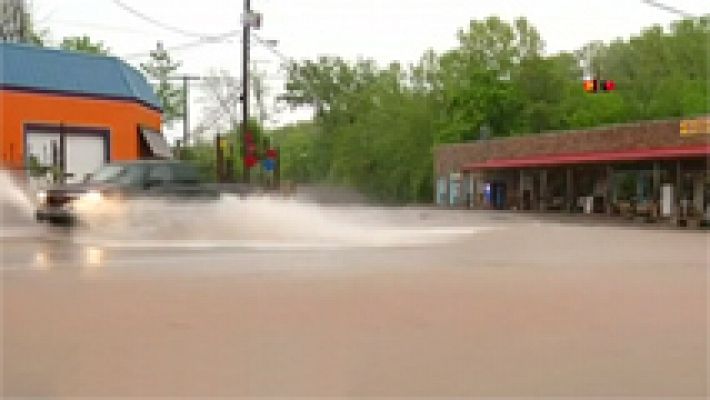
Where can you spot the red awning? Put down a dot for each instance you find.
(593, 157)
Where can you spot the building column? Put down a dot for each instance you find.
(656, 181)
(543, 190)
(678, 188)
(698, 188)
(468, 184)
(609, 198)
(569, 192)
(521, 190)
(656, 188)
(442, 191)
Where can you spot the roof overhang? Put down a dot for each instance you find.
(593, 157)
(84, 95)
(157, 144)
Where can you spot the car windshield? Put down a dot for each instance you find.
(107, 173)
(185, 174)
(120, 174)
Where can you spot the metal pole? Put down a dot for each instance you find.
(185, 113)
(62, 154)
(245, 85)
(219, 158)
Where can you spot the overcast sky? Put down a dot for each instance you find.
(384, 30)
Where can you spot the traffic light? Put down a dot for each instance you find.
(596, 85)
(607, 86)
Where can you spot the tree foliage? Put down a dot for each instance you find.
(17, 25)
(375, 126)
(221, 102)
(161, 68)
(84, 44)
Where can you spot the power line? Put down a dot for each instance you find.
(202, 38)
(287, 61)
(102, 27)
(194, 43)
(272, 49)
(154, 21)
(668, 8)
(48, 15)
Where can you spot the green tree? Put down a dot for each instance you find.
(296, 145)
(661, 73)
(478, 78)
(161, 68)
(375, 127)
(353, 139)
(203, 156)
(17, 24)
(84, 44)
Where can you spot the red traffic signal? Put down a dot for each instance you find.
(607, 86)
(596, 85)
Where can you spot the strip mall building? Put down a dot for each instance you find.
(74, 111)
(658, 169)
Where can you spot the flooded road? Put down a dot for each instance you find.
(422, 303)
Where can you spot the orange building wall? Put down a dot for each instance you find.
(121, 118)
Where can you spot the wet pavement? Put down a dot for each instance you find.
(426, 303)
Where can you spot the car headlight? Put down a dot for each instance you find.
(41, 197)
(92, 196)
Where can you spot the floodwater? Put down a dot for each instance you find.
(230, 221)
(269, 297)
(257, 221)
(12, 196)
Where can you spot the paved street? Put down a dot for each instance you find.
(428, 303)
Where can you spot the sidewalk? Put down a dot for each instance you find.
(587, 219)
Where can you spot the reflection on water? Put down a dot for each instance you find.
(92, 263)
(13, 199)
(67, 257)
(42, 261)
(93, 256)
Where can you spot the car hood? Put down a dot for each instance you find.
(81, 188)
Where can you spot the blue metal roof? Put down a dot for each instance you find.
(42, 69)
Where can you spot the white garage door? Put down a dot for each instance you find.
(84, 155)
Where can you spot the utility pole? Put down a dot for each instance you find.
(185, 105)
(246, 22)
(186, 108)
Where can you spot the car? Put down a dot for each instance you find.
(118, 182)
